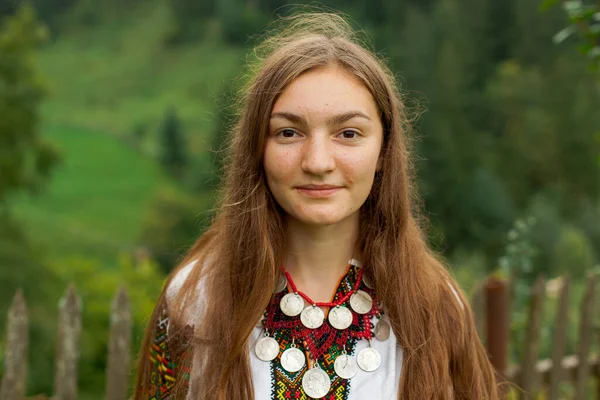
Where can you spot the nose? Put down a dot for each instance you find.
(318, 157)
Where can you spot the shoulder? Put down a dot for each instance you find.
(179, 277)
(185, 293)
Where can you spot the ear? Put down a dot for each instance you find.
(379, 164)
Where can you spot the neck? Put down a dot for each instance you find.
(317, 256)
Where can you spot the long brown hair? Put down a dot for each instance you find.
(239, 254)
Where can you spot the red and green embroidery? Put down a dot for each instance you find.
(324, 343)
(165, 351)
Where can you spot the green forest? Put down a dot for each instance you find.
(112, 115)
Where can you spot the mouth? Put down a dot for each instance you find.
(318, 191)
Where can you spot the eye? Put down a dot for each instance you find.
(287, 133)
(348, 134)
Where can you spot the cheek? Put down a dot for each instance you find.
(279, 163)
(358, 167)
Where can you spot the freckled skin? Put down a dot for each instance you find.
(316, 151)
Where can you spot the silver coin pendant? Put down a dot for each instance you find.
(316, 383)
(292, 360)
(382, 330)
(312, 317)
(267, 349)
(291, 304)
(369, 359)
(345, 366)
(367, 281)
(281, 284)
(361, 302)
(340, 317)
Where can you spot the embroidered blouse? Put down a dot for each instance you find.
(270, 379)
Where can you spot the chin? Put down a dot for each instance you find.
(319, 219)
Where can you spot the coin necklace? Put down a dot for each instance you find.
(312, 316)
(316, 383)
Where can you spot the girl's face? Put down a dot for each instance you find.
(323, 148)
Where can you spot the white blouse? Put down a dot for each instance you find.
(381, 384)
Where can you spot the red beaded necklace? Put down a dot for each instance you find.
(322, 303)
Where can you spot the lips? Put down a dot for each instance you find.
(318, 187)
(318, 191)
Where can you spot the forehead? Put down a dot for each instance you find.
(324, 91)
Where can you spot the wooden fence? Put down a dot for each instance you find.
(67, 355)
(534, 376)
(491, 306)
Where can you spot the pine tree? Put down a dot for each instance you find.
(26, 160)
(173, 155)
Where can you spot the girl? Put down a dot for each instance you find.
(315, 279)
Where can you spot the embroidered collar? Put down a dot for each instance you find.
(323, 344)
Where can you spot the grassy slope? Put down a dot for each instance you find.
(121, 74)
(104, 81)
(98, 196)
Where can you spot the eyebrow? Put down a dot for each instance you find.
(333, 120)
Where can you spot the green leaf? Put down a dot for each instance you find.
(547, 4)
(585, 48)
(589, 11)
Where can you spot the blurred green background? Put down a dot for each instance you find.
(111, 114)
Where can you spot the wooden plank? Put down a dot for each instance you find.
(478, 307)
(15, 361)
(559, 340)
(67, 355)
(596, 369)
(586, 326)
(527, 378)
(119, 348)
(497, 322)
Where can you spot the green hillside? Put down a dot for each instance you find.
(98, 198)
(120, 75)
(104, 84)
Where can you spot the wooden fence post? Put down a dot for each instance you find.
(559, 340)
(67, 355)
(119, 348)
(586, 326)
(478, 307)
(597, 366)
(497, 322)
(528, 374)
(15, 362)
